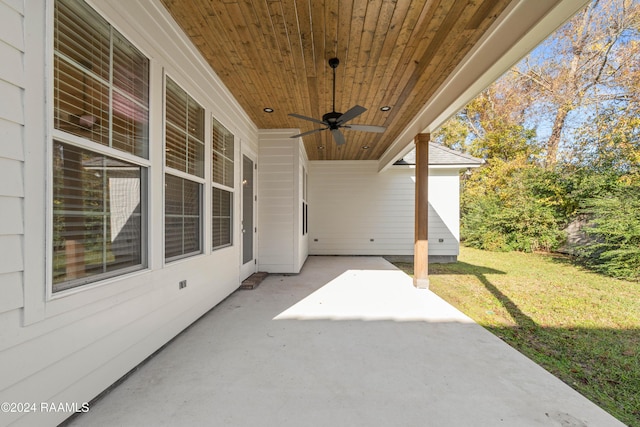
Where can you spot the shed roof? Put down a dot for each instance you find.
(439, 155)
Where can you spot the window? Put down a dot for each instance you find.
(221, 222)
(182, 217)
(101, 85)
(305, 206)
(184, 177)
(101, 81)
(222, 191)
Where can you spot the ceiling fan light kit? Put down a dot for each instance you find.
(335, 120)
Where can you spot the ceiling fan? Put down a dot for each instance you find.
(334, 120)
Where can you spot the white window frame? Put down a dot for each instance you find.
(220, 186)
(61, 136)
(201, 181)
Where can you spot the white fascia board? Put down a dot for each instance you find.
(457, 167)
(454, 167)
(517, 31)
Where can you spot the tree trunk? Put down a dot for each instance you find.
(554, 140)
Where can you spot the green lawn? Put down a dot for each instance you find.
(581, 326)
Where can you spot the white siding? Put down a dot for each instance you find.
(444, 212)
(302, 244)
(281, 247)
(71, 347)
(354, 210)
(11, 157)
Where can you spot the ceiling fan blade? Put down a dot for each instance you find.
(307, 133)
(311, 119)
(351, 114)
(366, 128)
(338, 136)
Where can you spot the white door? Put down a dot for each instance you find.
(248, 226)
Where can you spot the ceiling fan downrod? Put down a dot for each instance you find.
(333, 63)
(334, 120)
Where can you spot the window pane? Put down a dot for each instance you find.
(81, 103)
(191, 235)
(228, 173)
(130, 97)
(130, 126)
(222, 219)
(172, 237)
(222, 155)
(175, 148)
(82, 36)
(195, 157)
(101, 81)
(218, 168)
(130, 70)
(184, 131)
(182, 217)
(196, 120)
(97, 216)
(176, 105)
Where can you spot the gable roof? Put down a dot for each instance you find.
(439, 155)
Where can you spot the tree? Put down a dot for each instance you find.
(488, 128)
(582, 66)
(560, 134)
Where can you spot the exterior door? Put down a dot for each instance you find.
(248, 225)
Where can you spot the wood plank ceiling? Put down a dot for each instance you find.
(274, 53)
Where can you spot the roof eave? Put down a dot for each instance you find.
(522, 26)
(458, 166)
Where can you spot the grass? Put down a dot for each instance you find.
(581, 326)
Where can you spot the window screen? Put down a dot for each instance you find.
(182, 217)
(97, 216)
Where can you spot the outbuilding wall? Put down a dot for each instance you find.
(356, 210)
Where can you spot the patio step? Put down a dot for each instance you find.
(254, 280)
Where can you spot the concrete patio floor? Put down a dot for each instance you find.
(347, 342)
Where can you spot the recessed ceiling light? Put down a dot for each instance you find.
(268, 110)
(320, 147)
(366, 147)
(385, 108)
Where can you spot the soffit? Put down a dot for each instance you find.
(274, 53)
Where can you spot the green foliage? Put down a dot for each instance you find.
(560, 134)
(581, 183)
(615, 225)
(523, 226)
(516, 216)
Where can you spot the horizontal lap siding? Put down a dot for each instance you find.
(276, 205)
(282, 247)
(444, 212)
(11, 155)
(354, 210)
(85, 340)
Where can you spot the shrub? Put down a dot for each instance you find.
(505, 209)
(523, 225)
(615, 223)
